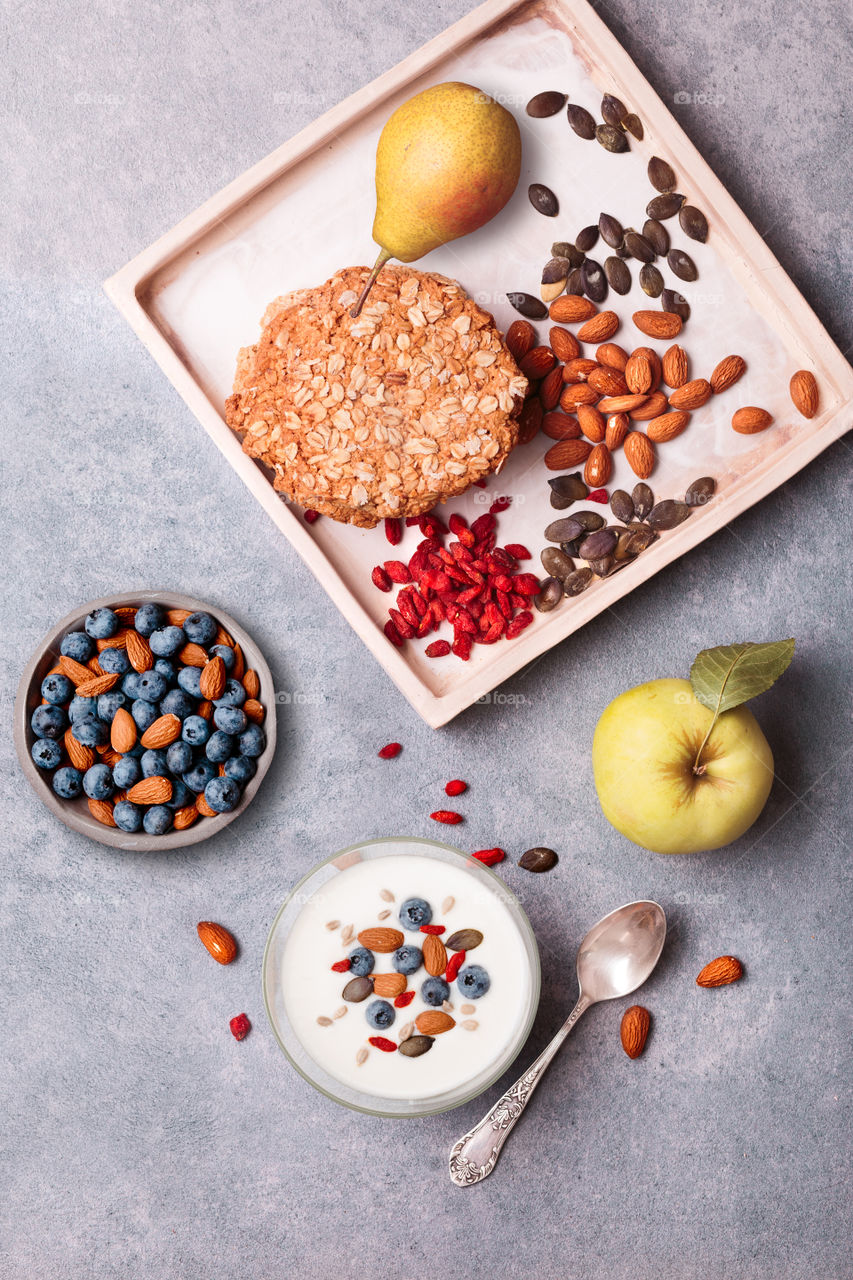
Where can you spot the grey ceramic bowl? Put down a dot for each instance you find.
(75, 813)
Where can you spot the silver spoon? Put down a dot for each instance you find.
(616, 956)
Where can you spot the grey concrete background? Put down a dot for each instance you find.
(138, 1138)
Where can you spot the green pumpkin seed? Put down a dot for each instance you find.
(651, 280)
(585, 239)
(594, 280)
(415, 1046)
(611, 138)
(572, 486)
(618, 275)
(668, 513)
(621, 505)
(581, 121)
(693, 222)
(634, 126)
(546, 104)
(613, 111)
(464, 940)
(564, 249)
(666, 206)
(543, 199)
(538, 859)
(661, 174)
(577, 582)
(526, 305)
(700, 491)
(675, 303)
(556, 563)
(357, 989)
(610, 229)
(682, 265)
(643, 500)
(657, 236)
(549, 596)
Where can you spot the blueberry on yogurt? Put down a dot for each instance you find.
(380, 1014)
(414, 913)
(435, 991)
(407, 959)
(473, 981)
(361, 962)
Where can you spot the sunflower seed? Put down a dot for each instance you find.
(681, 264)
(621, 505)
(651, 280)
(546, 104)
(556, 563)
(613, 110)
(618, 275)
(543, 199)
(657, 236)
(414, 1046)
(383, 915)
(578, 582)
(663, 207)
(361, 1056)
(348, 934)
(539, 859)
(610, 230)
(574, 281)
(324, 1022)
(564, 249)
(668, 513)
(563, 530)
(386, 895)
(467, 1008)
(581, 121)
(332, 925)
(643, 500)
(585, 239)
(661, 174)
(447, 1006)
(470, 1024)
(611, 138)
(700, 492)
(634, 125)
(549, 596)
(406, 1031)
(693, 222)
(638, 246)
(597, 545)
(526, 305)
(594, 280)
(464, 940)
(447, 905)
(675, 303)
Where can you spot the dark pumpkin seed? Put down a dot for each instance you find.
(667, 514)
(538, 859)
(634, 125)
(556, 563)
(643, 500)
(621, 505)
(638, 246)
(585, 239)
(415, 1046)
(464, 940)
(618, 275)
(639, 538)
(665, 206)
(651, 280)
(549, 596)
(564, 530)
(674, 302)
(610, 229)
(622, 551)
(681, 264)
(622, 252)
(357, 989)
(693, 222)
(661, 174)
(572, 486)
(594, 280)
(611, 138)
(589, 521)
(578, 582)
(581, 121)
(597, 545)
(657, 236)
(574, 281)
(528, 306)
(555, 269)
(543, 199)
(558, 502)
(571, 548)
(546, 104)
(602, 566)
(700, 491)
(613, 110)
(565, 249)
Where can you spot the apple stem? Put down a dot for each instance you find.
(700, 769)
(377, 267)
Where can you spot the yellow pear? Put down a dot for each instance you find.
(447, 161)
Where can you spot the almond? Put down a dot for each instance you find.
(433, 1021)
(667, 426)
(692, 395)
(254, 710)
(222, 637)
(110, 757)
(435, 955)
(804, 392)
(381, 940)
(599, 328)
(389, 985)
(727, 373)
(579, 369)
(567, 453)
(621, 404)
(204, 808)
(638, 373)
(577, 393)
(640, 453)
(95, 667)
(674, 366)
(635, 1029)
(616, 429)
(720, 972)
(654, 360)
(747, 422)
(102, 811)
(561, 426)
(139, 652)
(569, 308)
(520, 338)
(118, 641)
(177, 617)
(192, 655)
(550, 388)
(598, 467)
(652, 407)
(162, 733)
(123, 731)
(151, 791)
(608, 382)
(611, 354)
(96, 685)
(205, 710)
(216, 938)
(537, 362)
(81, 757)
(563, 343)
(251, 683)
(591, 423)
(75, 671)
(185, 817)
(213, 677)
(658, 324)
(239, 667)
(126, 613)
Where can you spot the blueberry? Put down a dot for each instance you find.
(435, 991)
(179, 758)
(230, 719)
(82, 707)
(127, 816)
(199, 775)
(361, 962)
(77, 645)
(101, 624)
(167, 669)
(220, 746)
(195, 731)
(57, 689)
(48, 722)
(151, 686)
(177, 703)
(126, 772)
(144, 713)
(158, 819)
(46, 753)
(130, 685)
(189, 679)
(114, 661)
(222, 794)
(98, 782)
(181, 795)
(109, 703)
(241, 768)
(148, 618)
(380, 1014)
(153, 764)
(226, 653)
(413, 913)
(473, 981)
(200, 629)
(234, 695)
(91, 732)
(68, 783)
(407, 959)
(253, 741)
(166, 641)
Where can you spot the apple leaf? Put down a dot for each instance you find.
(724, 677)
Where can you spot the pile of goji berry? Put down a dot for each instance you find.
(471, 583)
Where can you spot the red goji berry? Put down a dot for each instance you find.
(431, 526)
(519, 622)
(435, 929)
(411, 521)
(518, 550)
(380, 579)
(455, 787)
(493, 634)
(390, 751)
(393, 530)
(438, 611)
(393, 634)
(405, 628)
(480, 484)
(447, 816)
(437, 580)
(483, 525)
(310, 516)
(457, 522)
(397, 571)
(502, 582)
(438, 649)
(379, 1042)
(504, 604)
(240, 1026)
(489, 857)
(461, 646)
(526, 584)
(454, 964)
(408, 610)
(342, 966)
(425, 626)
(500, 504)
(404, 998)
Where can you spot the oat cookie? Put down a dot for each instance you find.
(380, 416)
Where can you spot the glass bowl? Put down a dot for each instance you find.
(496, 901)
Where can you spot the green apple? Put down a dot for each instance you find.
(644, 760)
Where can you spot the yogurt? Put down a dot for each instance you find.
(336, 1032)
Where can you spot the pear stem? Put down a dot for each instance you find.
(377, 267)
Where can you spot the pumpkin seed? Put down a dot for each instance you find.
(640, 537)
(602, 566)
(550, 595)
(526, 305)
(700, 491)
(634, 125)
(546, 104)
(357, 989)
(543, 199)
(621, 505)
(572, 486)
(589, 521)
(594, 280)
(681, 264)
(564, 530)
(666, 206)
(571, 548)
(558, 502)
(657, 236)
(610, 229)
(538, 859)
(556, 563)
(651, 280)
(618, 275)
(668, 513)
(638, 246)
(597, 545)
(611, 138)
(693, 222)
(574, 281)
(415, 1046)
(555, 269)
(643, 500)
(586, 238)
(623, 549)
(675, 303)
(577, 582)
(564, 249)
(581, 121)
(464, 940)
(613, 110)
(661, 174)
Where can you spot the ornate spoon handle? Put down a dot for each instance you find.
(474, 1157)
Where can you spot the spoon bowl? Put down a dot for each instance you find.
(619, 953)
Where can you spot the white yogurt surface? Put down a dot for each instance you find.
(311, 989)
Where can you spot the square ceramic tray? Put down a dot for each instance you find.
(197, 295)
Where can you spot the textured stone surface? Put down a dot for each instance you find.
(138, 1139)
